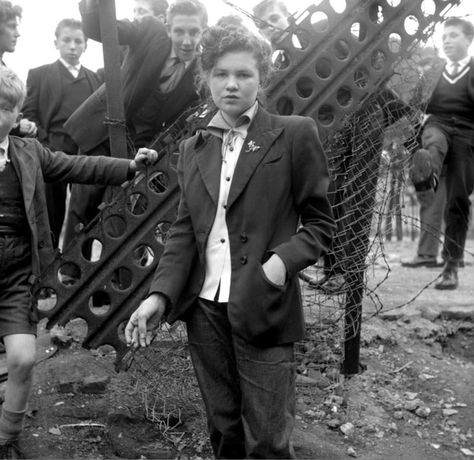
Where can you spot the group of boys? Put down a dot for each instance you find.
(65, 109)
(158, 68)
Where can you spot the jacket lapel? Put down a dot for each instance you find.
(55, 87)
(209, 161)
(25, 174)
(260, 137)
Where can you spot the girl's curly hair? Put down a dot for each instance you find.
(217, 41)
(9, 11)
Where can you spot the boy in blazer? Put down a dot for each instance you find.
(230, 265)
(25, 241)
(54, 92)
(158, 74)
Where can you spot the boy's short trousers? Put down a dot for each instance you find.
(18, 312)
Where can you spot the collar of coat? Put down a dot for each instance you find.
(262, 133)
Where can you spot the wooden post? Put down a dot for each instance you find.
(115, 111)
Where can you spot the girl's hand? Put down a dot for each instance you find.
(144, 320)
(275, 270)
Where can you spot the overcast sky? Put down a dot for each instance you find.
(40, 17)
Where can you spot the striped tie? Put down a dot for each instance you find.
(454, 68)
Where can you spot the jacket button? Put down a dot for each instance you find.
(243, 238)
(243, 260)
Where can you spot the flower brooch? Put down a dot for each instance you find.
(252, 147)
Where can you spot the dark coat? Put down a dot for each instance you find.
(149, 47)
(45, 95)
(36, 165)
(275, 187)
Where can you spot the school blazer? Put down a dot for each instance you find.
(148, 49)
(280, 180)
(35, 165)
(45, 95)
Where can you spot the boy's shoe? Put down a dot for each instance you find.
(11, 450)
(449, 280)
(421, 261)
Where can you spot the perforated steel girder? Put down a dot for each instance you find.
(341, 58)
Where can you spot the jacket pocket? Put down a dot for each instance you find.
(263, 306)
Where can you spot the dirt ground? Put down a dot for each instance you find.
(414, 399)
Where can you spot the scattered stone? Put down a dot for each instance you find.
(429, 312)
(333, 423)
(55, 431)
(411, 406)
(60, 337)
(94, 384)
(321, 381)
(467, 452)
(351, 452)
(377, 331)
(398, 415)
(449, 412)
(393, 427)
(347, 429)
(435, 446)
(304, 380)
(423, 411)
(68, 383)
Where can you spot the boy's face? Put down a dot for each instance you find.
(277, 21)
(455, 43)
(185, 33)
(142, 8)
(10, 116)
(71, 43)
(8, 36)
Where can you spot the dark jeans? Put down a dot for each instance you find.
(248, 392)
(432, 209)
(455, 139)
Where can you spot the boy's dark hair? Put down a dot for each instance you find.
(9, 11)
(159, 7)
(68, 22)
(187, 8)
(217, 41)
(11, 87)
(466, 26)
(260, 9)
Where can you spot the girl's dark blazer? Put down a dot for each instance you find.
(36, 165)
(277, 204)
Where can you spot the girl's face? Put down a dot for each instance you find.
(234, 81)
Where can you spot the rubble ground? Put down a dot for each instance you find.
(414, 400)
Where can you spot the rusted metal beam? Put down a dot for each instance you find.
(351, 47)
(113, 85)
